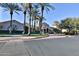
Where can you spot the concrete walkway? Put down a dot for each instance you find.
(20, 37)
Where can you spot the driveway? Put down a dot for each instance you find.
(65, 46)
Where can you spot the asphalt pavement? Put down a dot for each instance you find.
(65, 46)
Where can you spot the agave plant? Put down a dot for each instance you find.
(11, 7)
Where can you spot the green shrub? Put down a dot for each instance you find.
(7, 32)
(56, 30)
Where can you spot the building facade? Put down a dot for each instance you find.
(15, 25)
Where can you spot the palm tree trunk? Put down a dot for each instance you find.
(10, 31)
(24, 21)
(40, 26)
(34, 26)
(40, 23)
(29, 30)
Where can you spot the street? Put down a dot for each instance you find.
(65, 46)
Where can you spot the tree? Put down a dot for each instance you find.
(11, 7)
(44, 6)
(35, 13)
(58, 27)
(57, 24)
(67, 23)
(30, 14)
(25, 10)
(71, 24)
(39, 18)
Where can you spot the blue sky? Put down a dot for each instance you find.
(62, 11)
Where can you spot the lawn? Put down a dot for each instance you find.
(39, 36)
(24, 35)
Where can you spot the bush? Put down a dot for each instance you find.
(56, 30)
(7, 32)
(17, 32)
(72, 32)
(36, 32)
(4, 32)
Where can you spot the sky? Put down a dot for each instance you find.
(62, 11)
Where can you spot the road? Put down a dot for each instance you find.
(66, 46)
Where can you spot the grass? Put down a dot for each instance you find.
(25, 35)
(39, 36)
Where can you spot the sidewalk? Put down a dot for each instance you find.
(14, 37)
(28, 38)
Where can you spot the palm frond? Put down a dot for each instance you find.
(4, 5)
(24, 6)
(50, 6)
(10, 7)
(5, 10)
(17, 12)
(46, 6)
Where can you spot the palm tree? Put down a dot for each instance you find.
(30, 14)
(35, 13)
(25, 10)
(44, 6)
(31, 6)
(39, 18)
(11, 7)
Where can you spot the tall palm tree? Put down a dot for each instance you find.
(31, 7)
(39, 18)
(35, 13)
(25, 10)
(11, 7)
(30, 14)
(44, 6)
